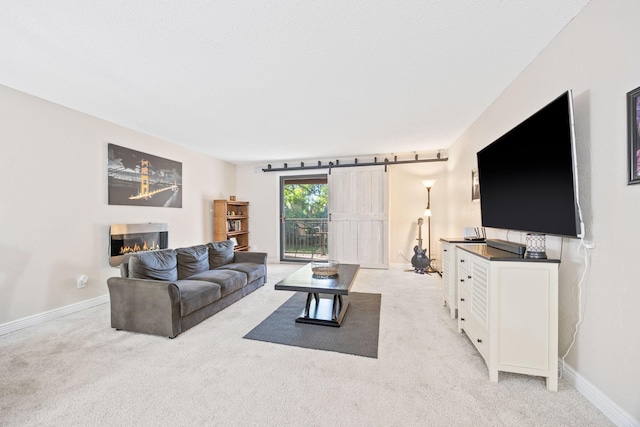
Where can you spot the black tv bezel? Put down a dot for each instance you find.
(527, 228)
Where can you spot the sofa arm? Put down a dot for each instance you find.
(147, 306)
(255, 257)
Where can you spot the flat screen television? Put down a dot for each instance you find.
(528, 176)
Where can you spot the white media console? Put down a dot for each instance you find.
(508, 307)
(449, 273)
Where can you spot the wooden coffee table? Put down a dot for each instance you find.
(322, 311)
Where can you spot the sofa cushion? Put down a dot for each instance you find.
(252, 270)
(220, 253)
(192, 260)
(155, 265)
(228, 280)
(195, 294)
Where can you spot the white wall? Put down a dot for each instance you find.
(262, 191)
(596, 56)
(54, 216)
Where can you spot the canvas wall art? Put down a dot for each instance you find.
(140, 179)
(633, 131)
(475, 186)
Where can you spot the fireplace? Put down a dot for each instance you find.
(126, 239)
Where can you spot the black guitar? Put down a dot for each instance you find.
(419, 260)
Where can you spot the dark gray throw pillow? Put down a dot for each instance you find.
(220, 253)
(156, 265)
(192, 260)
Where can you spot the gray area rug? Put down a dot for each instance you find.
(358, 334)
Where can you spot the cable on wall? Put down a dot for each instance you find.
(585, 255)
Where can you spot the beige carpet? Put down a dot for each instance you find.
(77, 371)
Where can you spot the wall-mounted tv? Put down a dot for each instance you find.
(528, 176)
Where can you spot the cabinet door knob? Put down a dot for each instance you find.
(461, 299)
(468, 277)
(461, 260)
(445, 250)
(462, 319)
(479, 340)
(462, 280)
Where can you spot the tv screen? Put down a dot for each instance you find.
(528, 176)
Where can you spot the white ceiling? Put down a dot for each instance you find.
(257, 81)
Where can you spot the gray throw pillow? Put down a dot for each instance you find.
(155, 265)
(192, 260)
(220, 253)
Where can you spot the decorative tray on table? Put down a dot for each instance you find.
(324, 269)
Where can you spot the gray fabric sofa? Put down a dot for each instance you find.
(166, 292)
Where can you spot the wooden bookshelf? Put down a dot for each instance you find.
(231, 220)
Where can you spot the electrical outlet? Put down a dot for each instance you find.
(81, 281)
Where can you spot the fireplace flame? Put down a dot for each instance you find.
(146, 246)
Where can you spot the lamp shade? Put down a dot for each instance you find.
(427, 212)
(428, 183)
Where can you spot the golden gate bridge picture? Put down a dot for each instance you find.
(142, 179)
(145, 193)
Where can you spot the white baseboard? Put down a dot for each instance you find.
(25, 322)
(616, 414)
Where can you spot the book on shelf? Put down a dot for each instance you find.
(234, 225)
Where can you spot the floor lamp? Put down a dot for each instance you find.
(427, 213)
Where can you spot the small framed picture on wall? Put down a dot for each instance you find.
(633, 135)
(475, 186)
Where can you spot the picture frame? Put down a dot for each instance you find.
(475, 185)
(135, 178)
(633, 135)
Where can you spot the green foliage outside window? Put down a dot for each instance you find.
(305, 201)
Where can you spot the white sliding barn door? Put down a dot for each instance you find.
(359, 216)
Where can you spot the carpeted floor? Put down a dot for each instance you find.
(358, 334)
(77, 371)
